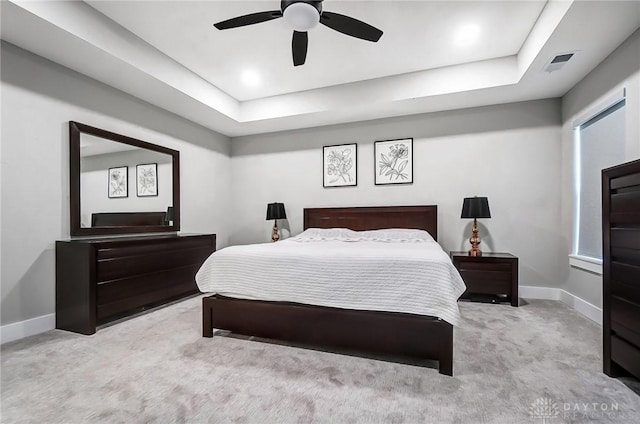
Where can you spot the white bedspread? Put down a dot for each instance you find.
(410, 277)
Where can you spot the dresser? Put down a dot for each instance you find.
(101, 280)
(621, 269)
(494, 274)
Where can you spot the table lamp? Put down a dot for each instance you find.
(475, 207)
(275, 211)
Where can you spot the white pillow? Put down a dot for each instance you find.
(389, 235)
(319, 234)
(397, 235)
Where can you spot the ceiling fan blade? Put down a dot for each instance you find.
(253, 18)
(350, 26)
(299, 45)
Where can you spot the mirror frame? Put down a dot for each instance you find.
(75, 229)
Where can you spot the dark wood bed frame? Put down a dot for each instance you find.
(403, 334)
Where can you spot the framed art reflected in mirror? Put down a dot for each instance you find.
(147, 180)
(118, 181)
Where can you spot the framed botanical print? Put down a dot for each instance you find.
(118, 182)
(340, 165)
(147, 180)
(393, 161)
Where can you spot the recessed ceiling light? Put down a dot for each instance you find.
(251, 78)
(467, 35)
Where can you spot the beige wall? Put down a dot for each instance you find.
(621, 70)
(39, 98)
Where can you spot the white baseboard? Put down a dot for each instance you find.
(531, 292)
(30, 327)
(551, 293)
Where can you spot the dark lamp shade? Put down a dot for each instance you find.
(475, 207)
(276, 211)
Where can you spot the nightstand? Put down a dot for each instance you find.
(494, 274)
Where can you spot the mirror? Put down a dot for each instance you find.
(121, 185)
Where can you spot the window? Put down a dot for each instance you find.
(599, 143)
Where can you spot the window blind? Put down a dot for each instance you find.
(601, 145)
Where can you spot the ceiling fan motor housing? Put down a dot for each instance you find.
(315, 3)
(301, 15)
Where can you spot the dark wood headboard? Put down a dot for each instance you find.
(126, 219)
(374, 218)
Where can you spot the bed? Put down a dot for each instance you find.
(411, 334)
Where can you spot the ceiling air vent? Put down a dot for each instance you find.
(558, 62)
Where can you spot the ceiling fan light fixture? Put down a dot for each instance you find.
(301, 16)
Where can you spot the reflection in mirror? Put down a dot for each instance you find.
(117, 178)
(121, 185)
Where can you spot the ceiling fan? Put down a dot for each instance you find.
(303, 15)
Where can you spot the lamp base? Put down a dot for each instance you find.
(475, 240)
(275, 235)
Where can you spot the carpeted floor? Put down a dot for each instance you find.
(533, 364)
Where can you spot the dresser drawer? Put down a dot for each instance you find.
(131, 286)
(124, 250)
(150, 298)
(625, 317)
(625, 238)
(625, 273)
(625, 245)
(630, 292)
(126, 266)
(626, 355)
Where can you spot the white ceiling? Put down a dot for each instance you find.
(169, 54)
(417, 36)
(91, 145)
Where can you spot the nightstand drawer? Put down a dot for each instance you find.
(484, 266)
(487, 282)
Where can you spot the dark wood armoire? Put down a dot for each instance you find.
(621, 269)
